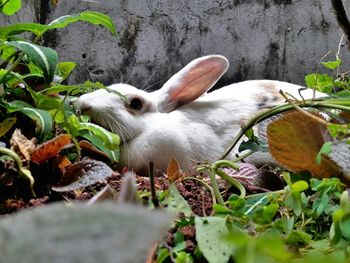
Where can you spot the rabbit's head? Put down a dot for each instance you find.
(130, 114)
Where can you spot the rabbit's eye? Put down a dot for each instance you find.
(136, 104)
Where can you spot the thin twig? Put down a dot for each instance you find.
(317, 119)
(151, 174)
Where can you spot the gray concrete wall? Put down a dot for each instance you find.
(275, 39)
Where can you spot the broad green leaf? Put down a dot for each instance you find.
(10, 7)
(111, 140)
(332, 64)
(45, 58)
(320, 82)
(38, 29)
(113, 153)
(300, 186)
(95, 18)
(15, 29)
(6, 125)
(65, 68)
(298, 236)
(74, 89)
(42, 118)
(271, 243)
(176, 203)
(218, 239)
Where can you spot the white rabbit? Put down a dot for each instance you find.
(181, 120)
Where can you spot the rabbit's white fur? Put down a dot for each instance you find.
(181, 120)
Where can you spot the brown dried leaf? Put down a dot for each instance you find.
(173, 171)
(50, 148)
(82, 174)
(62, 163)
(294, 141)
(20, 143)
(91, 150)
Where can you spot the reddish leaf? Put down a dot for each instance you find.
(173, 171)
(295, 140)
(50, 148)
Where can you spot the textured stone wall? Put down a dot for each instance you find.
(28, 13)
(275, 39)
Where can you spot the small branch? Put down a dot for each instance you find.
(152, 185)
(340, 104)
(317, 119)
(342, 18)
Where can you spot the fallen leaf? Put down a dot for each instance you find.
(62, 163)
(295, 140)
(173, 171)
(50, 148)
(20, 143)
(91, 150)
(81, 174)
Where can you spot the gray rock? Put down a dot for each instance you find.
(274, 39)
(103, 232)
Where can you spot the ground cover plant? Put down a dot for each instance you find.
(226, 211)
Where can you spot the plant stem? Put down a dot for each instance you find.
(21, 170)
(343, 104)
(152, 185)
(214, 184)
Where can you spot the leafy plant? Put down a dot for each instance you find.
(31, 86)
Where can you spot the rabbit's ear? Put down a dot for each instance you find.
(191, 82)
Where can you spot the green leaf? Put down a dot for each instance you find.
(38, 29)
(214, 238)
(42, 118)
(15, 29)
(6, 125)
(95, 18)
(74, 89)
(11, 7)
(332, 64)
(111, 140)
(298, 237)
(176, 203)
(65, 68)
(45, 58)
(265, 214)
(325, 149)
(300, 186)
(344, 226)
(320, 82)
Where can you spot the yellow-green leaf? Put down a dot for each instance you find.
(6, 125)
